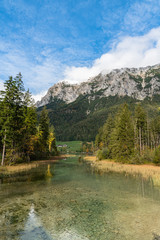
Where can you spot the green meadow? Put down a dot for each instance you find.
(71, 146)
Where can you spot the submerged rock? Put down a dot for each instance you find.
(156, 237)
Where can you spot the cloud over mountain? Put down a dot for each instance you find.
(129, 51)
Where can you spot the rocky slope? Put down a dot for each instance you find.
(135, 83)
(77, 111)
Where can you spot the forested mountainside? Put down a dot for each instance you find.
(78, 110)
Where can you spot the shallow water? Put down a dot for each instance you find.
(66, 200)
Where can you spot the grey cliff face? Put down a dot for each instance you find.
(138, 83)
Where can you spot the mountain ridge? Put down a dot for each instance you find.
(78, 111)
(137, 83)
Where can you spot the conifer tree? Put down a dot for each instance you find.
(140, 127)
(155, 132)
(1, 125)
(107, 130)
(98, 140)
(122, 138)
(30, 122)
(12, 114)
(20, 137)
(44, 129)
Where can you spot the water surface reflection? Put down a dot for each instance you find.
(71, 202)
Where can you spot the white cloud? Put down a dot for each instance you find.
(141, 14)
(41, 74)
(38, 74)
(138, 51)
(38, 96)
(1, 86)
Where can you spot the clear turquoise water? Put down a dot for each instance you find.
(77, 204)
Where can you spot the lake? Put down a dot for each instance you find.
(67, 200)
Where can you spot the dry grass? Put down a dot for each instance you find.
(147, 171)
(25, 166)
(17, 168)
(68, 155)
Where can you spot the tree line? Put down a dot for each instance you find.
(128, 137)
(23, 135)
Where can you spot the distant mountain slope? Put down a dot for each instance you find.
(137, 83)
(77, 111)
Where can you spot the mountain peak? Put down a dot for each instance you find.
(138, 83)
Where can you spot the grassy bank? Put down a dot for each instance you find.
(22, 167)
(26, 166)
(146, 171)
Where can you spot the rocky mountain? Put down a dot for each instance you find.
(78, 110)
(136, 83)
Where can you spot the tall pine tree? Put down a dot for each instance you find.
(122, 137)
(140, 128)
(44, 129)
(12, 115)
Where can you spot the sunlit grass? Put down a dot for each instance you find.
(72, 146)
(28, 166)
(18, 168)
(24, 166)
(146, 171)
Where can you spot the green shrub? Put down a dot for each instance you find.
(156, 158)
(102, 154)
(147, 156)
(136, 159)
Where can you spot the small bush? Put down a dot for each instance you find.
(156, 158)
(102, 154)
(136, 159)
(147, 156)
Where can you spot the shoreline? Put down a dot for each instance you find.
(21, 167)
(146, 171)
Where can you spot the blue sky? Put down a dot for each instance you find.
(52, 40)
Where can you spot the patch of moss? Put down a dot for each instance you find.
(137, 79)
(148, 79)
